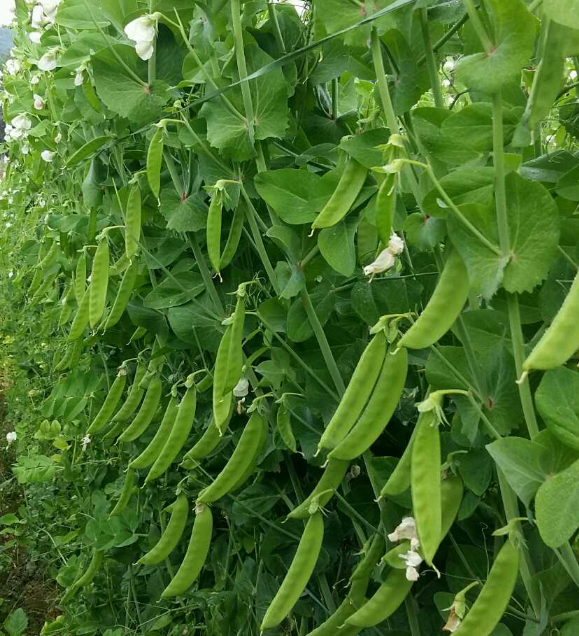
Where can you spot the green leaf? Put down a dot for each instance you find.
(463, 185)
(88, 149)
(557, 507)
(522, 462)
(187, 214)
(337, 246)
(16, 622)
(565, 12)
(363, 147)
(290, 278)
(298, 325)
(557, 400)
(568, 185)
(34, 469)
(9, 519)
(73, 14)
(515, 29)
(174, 291)
(424, 232)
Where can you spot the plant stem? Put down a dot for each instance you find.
(242, 69)
(478, 25)
(383, 89)
(205, 273)
(271, 12)
(445, 38)
(335, 98)
(411, 613)
(430, 60)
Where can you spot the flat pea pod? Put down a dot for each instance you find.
(329, 482)
(245, 452)
(399, 480)
(386, 208)
(50, 257)
(343, 198)
(426, 485)
(71, 353)
(234, 236)
(357, 393)
(385, 601)
(284, 427)
(49, 278)
(155, 160)
(442, 309)
(451, 493)
(90, 147)
(36, 281)
(213, 234)
(172, 534)
(146, 413)
(126, 493)
(99, 283)
(379, 409)
(133, 221)
(80, 320)
(67, 306)
(179, 434)
(110, 403)
(299, 573)
(196, 554)
(80, 278)
(134, 398)
(246, 474)
(150, 454)
(206, 444)
(123, 296)
(114, 431)
(495, 595)
(88, 576)
(561, 340)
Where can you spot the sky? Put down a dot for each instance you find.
(6, 12)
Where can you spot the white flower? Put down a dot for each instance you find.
(8, 225)
(7, 12)
(413, 561)
(446, 83)
(13, 66)
(37, 18)
(85, 442)
(143, 31)
(47, 156)
(21, 122)
(79, 78)
(58, 138)
(406, 529)
(241, 389)
(38, 102)
(50, 7)
(448, 66)
(384, 261)
(396, 244)
(35, 37)
(25, 149)
(10, 274)
(48, 61)
(453, 622)
(34, 79)
(11, 437)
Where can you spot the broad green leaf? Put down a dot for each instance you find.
(463, 185)
(424, 232)
(183, 214)
(16, 622)
(337, 247)
(515, 29)
(476, 470)
(34, 469)
(568, 185)
(522, 462)
(298, 324)
(557, 507)
(195, 324)
(364, 147)
(557, 400)
(565, 12)
(79, 14)
(175, 291)
(86, 150)
(291, 279)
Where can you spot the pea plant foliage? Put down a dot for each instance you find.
(289, 304)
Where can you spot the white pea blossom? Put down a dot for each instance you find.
(10, 274)
(38, 102)
(453, 622)
(34, 79)
(50, 7)
(85, 442)
(448, 66)
(11, 437)
(79, 77)
(47, 156)
(48, 61)
(241, 389)
(58, 138)
(406, 529)
(396, 244)
(35, 36)
(37, 18)
(384, 261)
(13, 66)
(413, 561)
(143, 31)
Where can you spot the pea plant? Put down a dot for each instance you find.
(289, 301)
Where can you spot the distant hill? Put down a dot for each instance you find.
(5, 41)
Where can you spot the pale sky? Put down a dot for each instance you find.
(6, 12)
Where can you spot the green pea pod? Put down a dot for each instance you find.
(114, 431)
(36, 281)
(495, 595)
(146, 413)
(299, 573)
(155, 161)
(561, 340)
(123, 296)
(110, 403)
(88, 576)
(426, 484)
(67, 306)
(150, 454)
(134, 398)
(80, 278)
(86, 150)
(248, 472)
(133, 222)
(385, 601)
(71, 353)
(345, 194)
(245, 452)
(206, 444)
(126, 493)
(329, 482)
(99, 283)
(179, 434)
(359, 390)
(443, 308)
(386, 208)
(48, 282)
(81, 318)
(379, 409)
(214, 219)
(334, 625)
(196, 554)
(234, 237)
(284, 427)
(451, 492)
(172, 534)
(399, 480)
(90, 94)
(50, 258)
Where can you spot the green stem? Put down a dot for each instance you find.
(567, 557)
(412, 616)
(478, 25)
(271, 12)
(445, 38)
(335, 98)
(323, 342)
(535, 5)
(430, 60)
(205, 273)
(382, 82)
(242, 69)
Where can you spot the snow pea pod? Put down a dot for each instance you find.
(172, 534)
(99, 283)
(379, 409)
(110, 403)
(146, 413)
(126, 493)
(299, 573)
(133, 222)
(235, 231)
(442, 309)
(88, 576)
(81, 318)
(399, 480)
(150, 454)
(123, 296)
(134, 398)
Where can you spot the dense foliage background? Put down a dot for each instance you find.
(248, 114)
